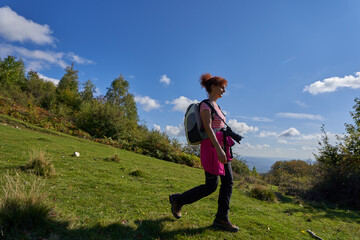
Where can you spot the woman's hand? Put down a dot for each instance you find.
(221, 156)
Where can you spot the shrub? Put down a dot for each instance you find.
(240, 168)
(337, 173)
(262, 193)
(114, 158)
(23, 203)
(40, 164)
(281, 171)
(137, 173)
(295, 186)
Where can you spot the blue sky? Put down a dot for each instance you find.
(291, 65)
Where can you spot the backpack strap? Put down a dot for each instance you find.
(213, 111)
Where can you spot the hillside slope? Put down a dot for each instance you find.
(95, 198)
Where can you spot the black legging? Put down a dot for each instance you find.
(211, 182)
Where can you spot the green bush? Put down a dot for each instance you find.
(138, 173)
(240, 168)
(295, 186)
(262, 193)
(337, 173)
(101, 119)
(281, 171)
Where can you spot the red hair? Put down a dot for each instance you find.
(206, 81)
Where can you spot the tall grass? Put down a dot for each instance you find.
(40, 164)
(23, 203)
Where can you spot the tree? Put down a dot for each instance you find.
(338, 165)
(34, 85)
(12, 73)
(67, 90)
(88, 93)
(100, 119)
(118, 95)
(351, 146)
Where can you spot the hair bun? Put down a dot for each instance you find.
(204, 78)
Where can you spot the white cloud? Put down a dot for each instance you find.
(164, 79)
(38, 59)
(257, 119)
(264, 134)
(309, 148)
(301, 104)
(182, 103)
(291, 132)
(288, 60)
(283, 141)
(14, 27)
(97, 92)
(46, 56)
(175, 131)
(5, 50)
(333, 83)
(157, 127)
(77, 59)
(53, 80)
(147, 103)
(261, 119)
(300, 116)
(316, 136)
(35, 65)
(258, 146)
(241, 127)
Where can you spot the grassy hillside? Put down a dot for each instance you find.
(96, 198)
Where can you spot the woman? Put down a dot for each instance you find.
(215, 161)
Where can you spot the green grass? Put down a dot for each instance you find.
(94, 198)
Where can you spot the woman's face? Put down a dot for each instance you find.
(218, 91)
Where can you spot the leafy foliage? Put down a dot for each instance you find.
(240, 169)
(101, 119)
(338, 168)
(12, 73)
(118, 96)
(87, 95)
(67, 90)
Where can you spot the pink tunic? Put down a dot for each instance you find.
(208, 154)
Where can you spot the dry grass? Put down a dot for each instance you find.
(23, 203)
(40, 164)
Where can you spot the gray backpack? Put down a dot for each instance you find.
(194, 130)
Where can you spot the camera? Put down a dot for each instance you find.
(236, 137)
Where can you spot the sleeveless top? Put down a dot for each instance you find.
(216, 122)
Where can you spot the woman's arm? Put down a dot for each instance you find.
(206, 120)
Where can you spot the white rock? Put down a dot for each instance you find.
(76, 154)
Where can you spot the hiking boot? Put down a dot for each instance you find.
(175, 206)
(225, 224)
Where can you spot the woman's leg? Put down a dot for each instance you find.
(196, 193)
(193, 195)
(225, 192)
(222, 219)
